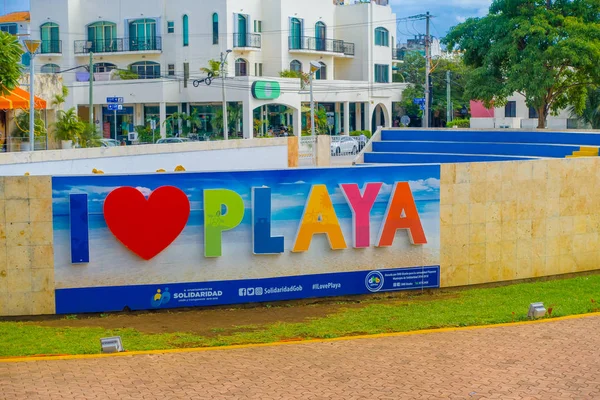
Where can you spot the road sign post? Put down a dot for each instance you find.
(115, 104)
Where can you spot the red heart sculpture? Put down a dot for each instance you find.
(146, 226)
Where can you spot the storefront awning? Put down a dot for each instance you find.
(19, 98)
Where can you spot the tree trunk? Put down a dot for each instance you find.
(542, 116)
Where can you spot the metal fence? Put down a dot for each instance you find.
(22, 144)
(307, 148)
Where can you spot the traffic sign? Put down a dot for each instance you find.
(422, 107)
(114, 100)
(153, 124)
(115, 107)
(419, 100)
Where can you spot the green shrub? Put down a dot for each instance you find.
(459, 123)
(358, 133)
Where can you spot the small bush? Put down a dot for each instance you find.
(459, 123)
(358, 133)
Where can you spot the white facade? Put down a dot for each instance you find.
(517, 115)
(341, 37)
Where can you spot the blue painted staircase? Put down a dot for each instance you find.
(408, 146)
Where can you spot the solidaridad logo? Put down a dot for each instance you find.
(161, 297)
(374, 281)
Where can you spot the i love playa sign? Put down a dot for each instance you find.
(228, 234)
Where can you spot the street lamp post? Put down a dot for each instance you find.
(88, 46)
(225, 127)
(314, 67)
(32, 47)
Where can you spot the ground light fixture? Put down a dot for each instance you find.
(111, 344)
(536, 310)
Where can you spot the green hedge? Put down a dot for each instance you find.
(459, 123)
(358, 133)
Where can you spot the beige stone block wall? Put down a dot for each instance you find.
(26, 246)
(323, 151)
(520, 219)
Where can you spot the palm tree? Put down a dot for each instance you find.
(68, 126)
(60, 99)
(10, 62)
(89, 136)
(591, 112)
(214, 68)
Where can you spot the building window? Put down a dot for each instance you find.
(382, 37)
(186, 35)
(241, 67)
(171, 69)
(146, 69)
(533, 113)
(215, 20)
(50, 69)
(142, 34)
(9, 28)
(242, 34)
(257, 26)
(170, 26)
(103, 36)
(320, 36)
(382, 73)
(321, 73)
(510, 110)
(258, 69)
(296, 66)
(104, 67)
(295, 34)
(50, 38)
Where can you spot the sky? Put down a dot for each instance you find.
(447, 13)
(7, 6)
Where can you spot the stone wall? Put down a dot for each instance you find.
(26, 246)
(499, 222)
(516, 220)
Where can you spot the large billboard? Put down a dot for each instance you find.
(199, 239)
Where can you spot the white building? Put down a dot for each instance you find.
(517, 115)
(167, 42)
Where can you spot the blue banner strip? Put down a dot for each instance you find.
(176, 295)
(80, 242)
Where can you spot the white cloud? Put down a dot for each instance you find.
(424, 185)
(145, 191)
(460, 19)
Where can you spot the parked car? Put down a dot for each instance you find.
(343, 145)
(109, 143)
(172, 140)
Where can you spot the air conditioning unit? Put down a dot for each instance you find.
(132, 136)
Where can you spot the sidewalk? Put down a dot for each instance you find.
(556, 360)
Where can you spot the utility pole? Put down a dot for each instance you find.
(448, 98)
(92, 90)
(427, 71)
(225, 127)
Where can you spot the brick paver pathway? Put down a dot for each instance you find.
(559, 360)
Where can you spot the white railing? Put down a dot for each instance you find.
(307, 149)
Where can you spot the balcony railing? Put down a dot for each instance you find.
(348, 49)
(398, 54)
(51, 47)
(318, 44)
(247, 40)
(118, 45)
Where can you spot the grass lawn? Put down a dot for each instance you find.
(456, 308)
